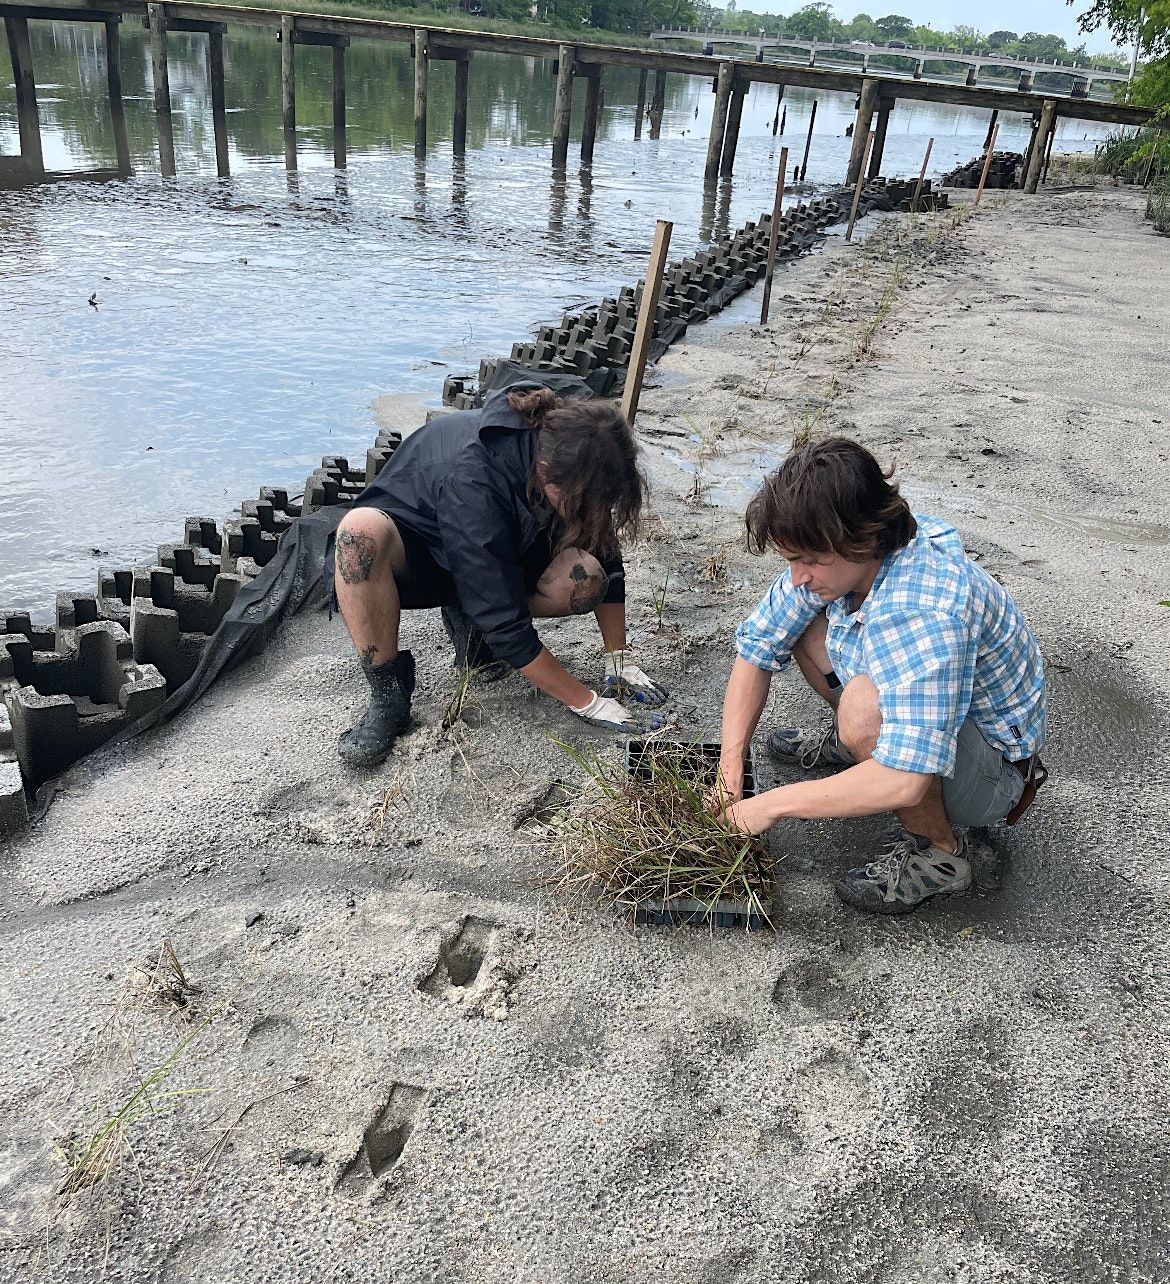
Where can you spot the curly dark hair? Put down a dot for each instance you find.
(830, 496)
(587, 449)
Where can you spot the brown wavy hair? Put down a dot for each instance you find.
(587, 449)
(830, 496)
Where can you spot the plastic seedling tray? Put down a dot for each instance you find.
(680, 909)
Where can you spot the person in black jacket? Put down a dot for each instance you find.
(498, 516)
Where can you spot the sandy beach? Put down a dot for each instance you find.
(975, 1093)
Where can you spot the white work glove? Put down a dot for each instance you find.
(601, 711)
(623, 678)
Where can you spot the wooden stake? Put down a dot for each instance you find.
(644, 333)
(921, 177)
(421, 67)
(162, 88)
(288, 89)
(860, 184)
(986, 164)
(340, 151)
(218, 102)
(459, 126)
(563, 107)
(774, 237)
(812, 120)
(640, 109)
(114, 84)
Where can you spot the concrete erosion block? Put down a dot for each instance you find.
(64, 703)
(13, 801)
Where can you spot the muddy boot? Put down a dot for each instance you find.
(386, 716)
(472, 653)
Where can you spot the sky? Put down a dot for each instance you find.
(986, 15)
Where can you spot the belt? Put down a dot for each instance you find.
(1034, 774)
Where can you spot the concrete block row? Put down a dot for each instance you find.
(1004, 171)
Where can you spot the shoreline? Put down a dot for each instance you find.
(925, 1100)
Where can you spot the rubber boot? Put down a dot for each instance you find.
(386, 716)
(471, 651)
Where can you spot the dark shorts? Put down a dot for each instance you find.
(424, 584)
(985, 786)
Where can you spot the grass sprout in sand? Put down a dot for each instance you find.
(647, 836)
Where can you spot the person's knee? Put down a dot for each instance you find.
(812, 642)
(859, 719)
(575, 578)
(363, 541)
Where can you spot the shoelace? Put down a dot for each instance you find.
(814, 745)
(891, 865)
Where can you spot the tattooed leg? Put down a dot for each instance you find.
(573, 584)
(368, 552)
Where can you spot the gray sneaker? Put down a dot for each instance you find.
(909, 872)
(811, 749)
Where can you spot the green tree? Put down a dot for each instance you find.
(969, 37)
(894, 27)
(998, 40)
(862, 27)
(1043, 48)
(1145, 23)
(814, 22)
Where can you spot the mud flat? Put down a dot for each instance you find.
(423, 1065)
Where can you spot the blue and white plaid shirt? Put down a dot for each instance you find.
(939, 638)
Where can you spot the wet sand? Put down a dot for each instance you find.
(976, 1093)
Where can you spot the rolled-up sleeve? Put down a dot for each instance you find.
(766, 638)
(480, 544)
(918, 662)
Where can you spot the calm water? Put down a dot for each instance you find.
(244, 326)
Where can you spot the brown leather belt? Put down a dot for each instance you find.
(1035, 774)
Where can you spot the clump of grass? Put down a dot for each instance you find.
(714, 568)
(651, 837)
(1158, 206)
(162, 983)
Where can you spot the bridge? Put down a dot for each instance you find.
(877, 95)
(907, 61)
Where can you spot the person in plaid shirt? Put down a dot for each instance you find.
(934, 678)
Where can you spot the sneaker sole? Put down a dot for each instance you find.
(891, 908)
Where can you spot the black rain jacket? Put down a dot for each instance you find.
(460, 483)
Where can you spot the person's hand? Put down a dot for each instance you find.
(602, 711)
(624, 678)
(727, 790)
(749, 815)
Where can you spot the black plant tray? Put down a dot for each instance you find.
(682, 910)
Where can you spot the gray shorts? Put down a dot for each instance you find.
(985, 786)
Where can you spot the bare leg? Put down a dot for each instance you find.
(812, 658)
(859, 723)
(573, 584)
(369, 552)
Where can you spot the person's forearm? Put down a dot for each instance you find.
(743, 703)
(549, 675)
(611, 621)
(862, 790)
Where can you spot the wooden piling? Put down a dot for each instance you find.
(288, 89)
(1048, 154)
(218, 102)
(592, 111)
(731, 136)
(340, 150)
(1035, 161)
(640, 109)
(776, 118)
(774, 236)
(812, 120)
(1027, 150)
(459, 125)
(156, 21)
(421, 65)
(783, 118)
(987, 164)
(990, 127)
(563, 110)
(862, 129)
(28, 114)
(921, 177)
(644, 332)
(879, 142)
(113, 29)
(865, 149)
(658, 104)
(723, 85)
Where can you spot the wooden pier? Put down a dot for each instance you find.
(731, 79)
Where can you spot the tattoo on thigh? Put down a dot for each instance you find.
(355, 556)
(585, 592)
